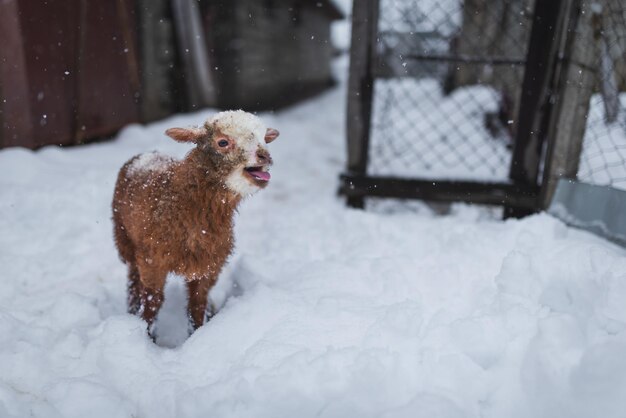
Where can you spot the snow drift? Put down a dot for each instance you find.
(326, 311)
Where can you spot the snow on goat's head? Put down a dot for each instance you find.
(244, 126)
(233, 143)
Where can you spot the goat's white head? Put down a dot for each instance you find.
(233, 143)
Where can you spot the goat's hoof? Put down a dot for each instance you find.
(209, 312)
(152, 332)
(133, 306)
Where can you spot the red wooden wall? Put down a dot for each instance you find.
(68, 70)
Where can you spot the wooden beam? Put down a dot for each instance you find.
(441, 191)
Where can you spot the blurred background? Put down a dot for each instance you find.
(480, 101)
(485, 102)
(72, 71)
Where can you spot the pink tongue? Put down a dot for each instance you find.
(261, 175)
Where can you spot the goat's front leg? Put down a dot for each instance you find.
(199, 310)
(153, 284)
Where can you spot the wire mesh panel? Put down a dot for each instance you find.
(447, 99)
(603, 157)
(450, 81)
(485, 101)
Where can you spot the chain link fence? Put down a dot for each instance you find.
(450, 76)
(485, 101)
(603, 156)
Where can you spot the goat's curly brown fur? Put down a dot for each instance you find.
(177, 217)
(178, 220)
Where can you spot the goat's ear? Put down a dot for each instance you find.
(270, 135)
(185, 134)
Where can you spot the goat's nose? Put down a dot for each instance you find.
(263, 157)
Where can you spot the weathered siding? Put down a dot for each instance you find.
(43, 76)
(315, 47)
(71, 71)
(283, 53)
(68, 72)
(107, 76)
(158, 60)
(221, 31)
(15, 119)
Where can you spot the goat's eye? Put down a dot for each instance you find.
(222, 143)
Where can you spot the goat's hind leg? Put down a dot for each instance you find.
(152, 295)
(135, 289)
(127, 254)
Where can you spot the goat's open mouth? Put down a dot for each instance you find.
(258, 173)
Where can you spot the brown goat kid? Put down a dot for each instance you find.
(177, 216)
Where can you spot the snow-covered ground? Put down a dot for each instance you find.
(326, 311)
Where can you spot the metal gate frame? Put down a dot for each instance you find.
(522, 194)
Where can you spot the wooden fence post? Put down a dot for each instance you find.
(546, 33)
(360, 86)
(573, 94)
